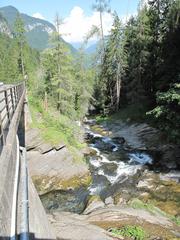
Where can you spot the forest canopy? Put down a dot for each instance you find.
(138, 65)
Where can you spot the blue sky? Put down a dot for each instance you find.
(77, 14)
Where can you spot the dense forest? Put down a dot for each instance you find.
(137, 67)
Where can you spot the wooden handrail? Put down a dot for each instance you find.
(9, 99)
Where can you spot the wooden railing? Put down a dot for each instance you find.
(9, 99)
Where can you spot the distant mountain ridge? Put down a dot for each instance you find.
(38, 31)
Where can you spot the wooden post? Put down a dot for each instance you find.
(15, 101)
(12, 100)
(17, 94)
(1, 131)
(7, 104)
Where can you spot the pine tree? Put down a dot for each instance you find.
(58, 68)
(114, 64)
(83, 87)
(19, 31)
(102, 6)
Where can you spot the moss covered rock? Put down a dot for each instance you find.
(57, 171)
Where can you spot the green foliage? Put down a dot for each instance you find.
(83, 86)
(138, 204)
(9, 60)
(68, 82)
(141, 67)
(166, 113)
(55, 128)
(113, 66)
(134, 232)
(57, 64)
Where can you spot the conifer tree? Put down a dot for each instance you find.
(114, 64)
(19, 31)
(102, 6)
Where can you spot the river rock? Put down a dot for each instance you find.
(110, 168)
(70, 226)
(145, 184)
(170, 156)
(119, 140)
(94, 203)
(117, 216)
(103, 146)
(57, 171)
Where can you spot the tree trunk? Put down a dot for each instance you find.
(118, 87)
(102, 32)
(22, 60)
(45, 102)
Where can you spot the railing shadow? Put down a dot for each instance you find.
(31, 236)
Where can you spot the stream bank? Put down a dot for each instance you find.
(124, 176)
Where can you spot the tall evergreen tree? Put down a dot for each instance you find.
(102, 6)
(19, 31)
(114, 64)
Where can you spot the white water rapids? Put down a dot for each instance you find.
(123, 169)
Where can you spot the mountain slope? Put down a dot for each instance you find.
(4, 27)
(92, 49)
(38, 31)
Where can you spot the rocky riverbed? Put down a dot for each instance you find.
(129, 179)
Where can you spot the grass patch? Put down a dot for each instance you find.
(138, 204)
(134, 232)
(100, 119)
(55, 128)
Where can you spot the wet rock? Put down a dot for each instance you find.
(170, 157)
(71, 200)
(119, 140)
(110, 168)
(103, 146)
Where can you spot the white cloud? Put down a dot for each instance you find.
(38, 15)
(77, 24)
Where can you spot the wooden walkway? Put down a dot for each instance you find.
(9, 98)
(21, 213)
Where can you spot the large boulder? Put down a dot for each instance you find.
(155, 225)
(70, 226)
(35, 142)
(94, 203)
(57, 170)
